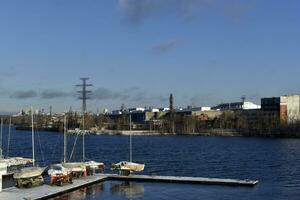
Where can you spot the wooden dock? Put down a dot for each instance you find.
(47, 191)
(186, 180)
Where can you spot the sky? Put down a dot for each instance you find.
(137, 52)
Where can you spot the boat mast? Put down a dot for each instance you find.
(8, 138)
(84, 96)
(1, 135)
(32, 138)
(83, 145)
(65, 138)
(130, 139)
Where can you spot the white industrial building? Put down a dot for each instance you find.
(293, 108)
(246, 105)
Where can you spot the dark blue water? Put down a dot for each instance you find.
(274, 162)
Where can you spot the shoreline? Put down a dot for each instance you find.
(207, 133)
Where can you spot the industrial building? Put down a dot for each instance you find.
(286, 107)
(243, 105)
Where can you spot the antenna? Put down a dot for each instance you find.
(50, 110)
(243, 98)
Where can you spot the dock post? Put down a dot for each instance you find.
(3, 170)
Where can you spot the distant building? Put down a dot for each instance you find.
(246, 105)
(116, 112)
(105, 111)
(202, 113)
(286, 107)
(164, 109)
(136, 109)
(191, 110)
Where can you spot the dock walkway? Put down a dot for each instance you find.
(188, 180)
(47, 191)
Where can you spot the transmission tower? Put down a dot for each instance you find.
(84, 96)
(84, 92)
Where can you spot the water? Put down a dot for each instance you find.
(274, 162)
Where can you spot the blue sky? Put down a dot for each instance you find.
(137, 52)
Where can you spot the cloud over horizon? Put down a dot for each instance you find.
(137, 11)
(105, 93)
(52, 94)
(165, 46)
(30, 94)
(24, 94)
(132, 95)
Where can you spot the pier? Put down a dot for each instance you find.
(185, 180)
(46, 191)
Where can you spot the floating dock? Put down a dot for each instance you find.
(187, 180)
(47, 191)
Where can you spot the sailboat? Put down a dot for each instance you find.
(30, 176)
(12, 164)
(63, 172)
(91, 166)
(127, 168)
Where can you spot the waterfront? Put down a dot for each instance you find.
(274, 162)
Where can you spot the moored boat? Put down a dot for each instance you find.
(94, 167)
(126, 168)
(29, 172)
(59, 175)
(78, 169)
(129, 166)
(14, 164)
(30, 176)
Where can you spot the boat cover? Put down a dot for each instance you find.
(29, 172)
(131, 166)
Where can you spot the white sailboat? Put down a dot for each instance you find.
(30, 176)
(92, 166)
(61, 173)
(12, 164)
(126, 168)
(78, 169)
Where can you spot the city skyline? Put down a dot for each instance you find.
(205, 52)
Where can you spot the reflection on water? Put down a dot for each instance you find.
(93, 192)
(130, 190)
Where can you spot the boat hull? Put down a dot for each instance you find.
(77, 169)
(128, 166)
(29, 172)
